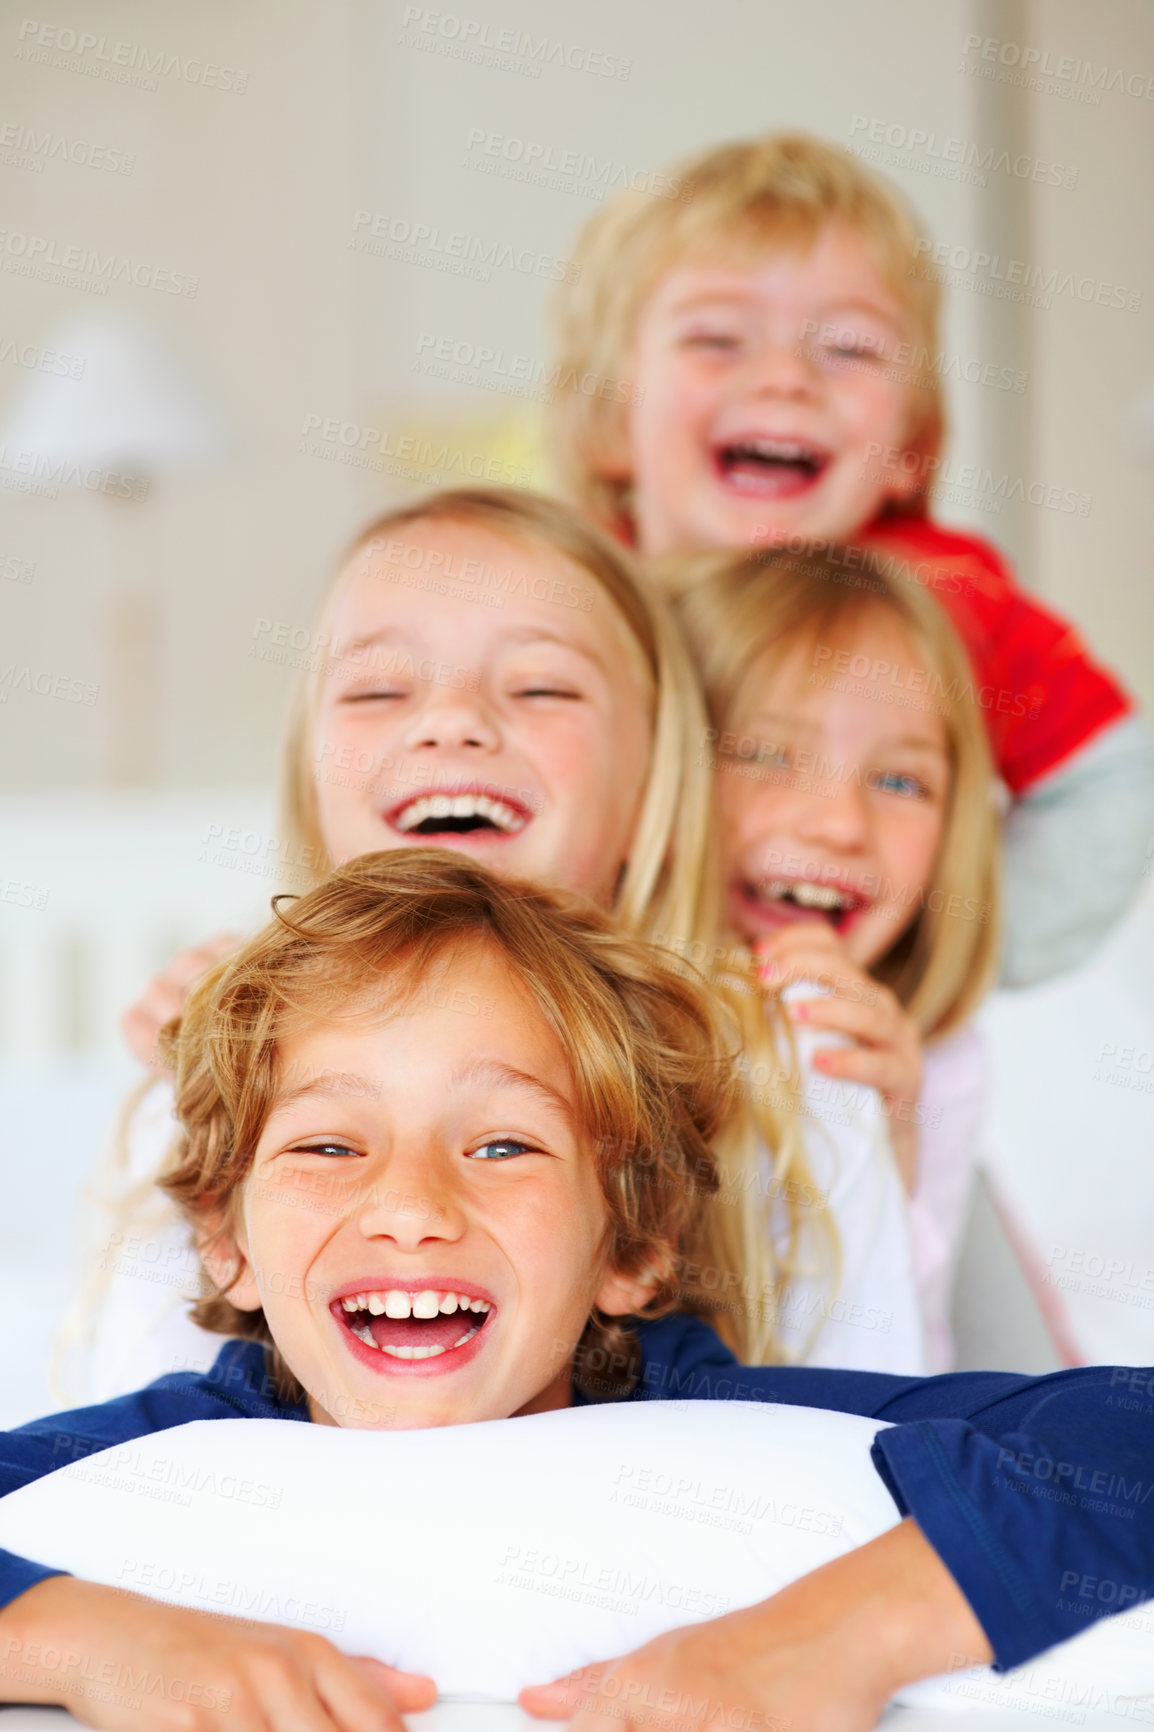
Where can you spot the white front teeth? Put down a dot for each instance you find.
(822, 896)
(775, 450)
(427, 1352)
(818, 896)
(395, 1303)
(428, 806)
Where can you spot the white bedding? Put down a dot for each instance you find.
(492, 1556)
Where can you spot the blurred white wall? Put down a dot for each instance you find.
(253, 192)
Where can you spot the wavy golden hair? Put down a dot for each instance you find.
(747, 612)
(735, 201)
(650, 1062)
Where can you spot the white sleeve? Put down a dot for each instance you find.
(147, 1271)
(871, 1320)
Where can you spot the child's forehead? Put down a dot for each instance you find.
(467, 552)
(872, 635)
(857, 663)
(496, 592)
(469, 986)
(827, 248)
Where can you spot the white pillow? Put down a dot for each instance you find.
(496, 1555)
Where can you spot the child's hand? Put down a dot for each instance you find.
(104, 1655)
(824, 1655)
(164, 997)
(887, 1054)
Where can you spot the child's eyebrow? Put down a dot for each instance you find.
(915, 743)
(492, 1070)
(783, 722)
(528, 634)
(330, 1083)
(694, 299)
(532, 634)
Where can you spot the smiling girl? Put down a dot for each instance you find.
(860, 847)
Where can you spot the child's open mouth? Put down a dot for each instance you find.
(425, 1323)
(457, 815)
(781, 901)
(764, 468)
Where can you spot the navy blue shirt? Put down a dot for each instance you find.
(1036, 1492)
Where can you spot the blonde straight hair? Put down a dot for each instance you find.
(735, 201)
(747, 612)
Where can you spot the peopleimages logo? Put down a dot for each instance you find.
(1017, 278)
(1065, 69)
(507, 49)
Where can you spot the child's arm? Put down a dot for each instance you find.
(824, 1655)
(1026, 1487)
(1015, 1492)
(105, 1655)
(100, 1635)
(1077, 844)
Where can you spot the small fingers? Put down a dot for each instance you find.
(355, 1696)
(564, 1696)
(142, 1023)
(869, 1066)
(808, 935)
(288, 1698)
(873, 1023)
(189, 965)
(164, 997)
(411, 1691)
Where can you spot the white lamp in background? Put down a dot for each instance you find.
(125, 411)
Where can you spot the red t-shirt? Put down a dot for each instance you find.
(1042, 695)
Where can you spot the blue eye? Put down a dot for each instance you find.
(499, 1149)
(889, 782)
(335, 1150)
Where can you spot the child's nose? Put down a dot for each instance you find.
(835, 812)
(780, 368)
(412, 1203)
(452, 720)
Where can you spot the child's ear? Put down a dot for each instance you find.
(621, 1295)
(226, 1263)
(614, 457)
